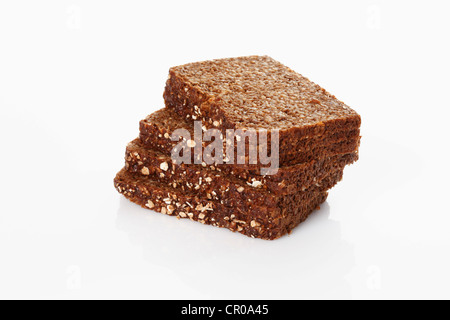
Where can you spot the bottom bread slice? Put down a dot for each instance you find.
(255, 222)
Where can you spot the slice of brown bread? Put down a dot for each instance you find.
(157, 128)
(256, 92)
(212, 184)
(259, 222)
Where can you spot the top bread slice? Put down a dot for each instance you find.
(256, 92)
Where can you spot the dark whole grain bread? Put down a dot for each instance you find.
(256, 92)
(157, 128)
(212, 184)
(289, 179)
(259, 222)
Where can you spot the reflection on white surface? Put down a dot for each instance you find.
(221, 264)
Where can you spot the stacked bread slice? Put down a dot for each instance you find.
(312, 135)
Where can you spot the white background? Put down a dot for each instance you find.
(77, 76)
